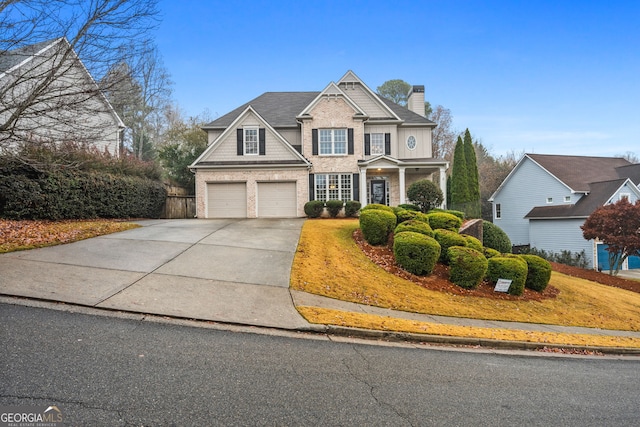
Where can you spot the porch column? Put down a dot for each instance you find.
(443, 186)
(403, 192)
(363, 187)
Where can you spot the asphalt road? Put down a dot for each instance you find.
(122, 372)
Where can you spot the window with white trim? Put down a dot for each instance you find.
(625, 196)
(498, 214)
(332, 141)
(333, 187)
(567, 199)
(250, 140)
(549, 199)
(377, 143)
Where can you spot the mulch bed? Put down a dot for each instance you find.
(438, 280)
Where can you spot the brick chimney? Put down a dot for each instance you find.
(415, 100)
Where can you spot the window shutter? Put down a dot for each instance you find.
(314, 141)
(312, 186)
(262, 146)
(367, 144)
(387, 144)
(350, 140)
(356, 186)
(240, 141)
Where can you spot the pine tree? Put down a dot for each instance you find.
(473, 179)
(459, 185)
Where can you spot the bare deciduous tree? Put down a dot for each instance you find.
(41, 45)
(443, 140)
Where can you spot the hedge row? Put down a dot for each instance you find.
(72, 194)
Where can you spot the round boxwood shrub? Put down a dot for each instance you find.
(448, 238)
(468, 266)
(378, 207)
(334, 207)
(493, 237)
(472, 242)
(313, 209)
(376, 224)
(351, 208)
(459, 214)
(490, 253)
(416, 252)
(404, 214)
(539, 272)
(414, 226)
(444, 220)
(510, 268)
(410, 207)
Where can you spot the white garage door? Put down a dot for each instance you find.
(228, 200)
(277, 200)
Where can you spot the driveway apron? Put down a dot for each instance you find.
(227, 270)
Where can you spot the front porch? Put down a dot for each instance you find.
(385, 180)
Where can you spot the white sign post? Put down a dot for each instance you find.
(502, 285)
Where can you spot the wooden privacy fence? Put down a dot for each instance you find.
(176, 207)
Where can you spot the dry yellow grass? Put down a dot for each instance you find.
(329, 263)
(368, 321)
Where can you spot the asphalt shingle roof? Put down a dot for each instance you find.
(11, 58)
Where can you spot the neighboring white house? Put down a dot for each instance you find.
(546, 198)
(54, 98)
(270, 156)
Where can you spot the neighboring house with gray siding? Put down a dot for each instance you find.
(546, 198)
(270, 156)
(53, 98)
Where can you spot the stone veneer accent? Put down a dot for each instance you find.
(251, 177)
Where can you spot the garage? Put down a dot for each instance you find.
(227, 200)
(277, 200)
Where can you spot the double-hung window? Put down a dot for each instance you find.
(377, 143)
(333, 187)
(333, 141)
(250, 140)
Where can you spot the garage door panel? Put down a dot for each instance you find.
(227, 200)
(277, 200)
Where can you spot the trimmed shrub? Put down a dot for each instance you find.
(445, 221)
(409, 207)
(490, 253)
(538, 274)
(447, 239)
(425, 194)
(459, 214)
(334, 207)
(351, 208)
(404, 215)
(511, 268)
(416, 252)
(376, 225)
(474, 243)
(314, 208)
(414, 226)
(377, 206)
(493, 237)
(468, 266)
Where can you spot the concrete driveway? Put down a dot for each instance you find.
(228, 270)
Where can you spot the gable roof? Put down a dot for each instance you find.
(332, 90)
(577, 172)
(12, 59)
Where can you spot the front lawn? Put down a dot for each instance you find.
(329, 263)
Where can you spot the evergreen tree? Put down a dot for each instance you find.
(473, 178)
(459, 185)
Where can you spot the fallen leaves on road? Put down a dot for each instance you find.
(29, 234)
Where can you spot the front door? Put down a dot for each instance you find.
(379, 191)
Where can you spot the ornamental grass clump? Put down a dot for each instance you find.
(415, 252)
(376, 225)
(511, 268)
(446, 239)
(538, 273)
(415, 226)
(468, 266)
(444, 220)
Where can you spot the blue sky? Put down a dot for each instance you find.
(547, 77)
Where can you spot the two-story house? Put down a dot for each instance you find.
(48, 95)
(546, 198)
(270, 156)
